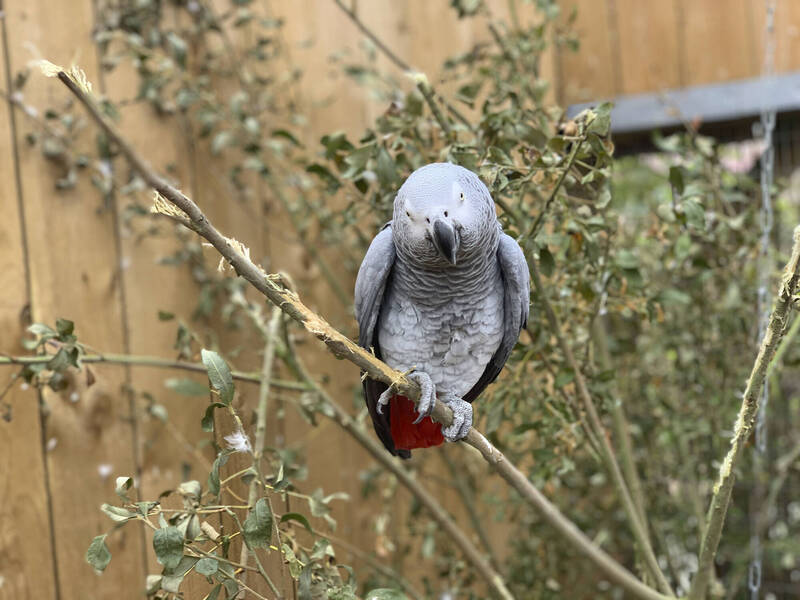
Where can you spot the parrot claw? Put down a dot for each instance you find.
(462, 418)
(383, 400)
(427, 396)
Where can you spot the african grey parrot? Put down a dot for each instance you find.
(443, 291)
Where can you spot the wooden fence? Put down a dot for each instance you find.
(66, 254)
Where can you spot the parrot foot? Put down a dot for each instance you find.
(427, 397)
(462, 418)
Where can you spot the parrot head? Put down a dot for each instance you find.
(443, 214)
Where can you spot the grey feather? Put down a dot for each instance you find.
(371, 284)
(371, 281)
(516, 302)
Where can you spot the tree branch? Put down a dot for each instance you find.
(343, 348)
(150, 361)
(260, 437)
(776, 329)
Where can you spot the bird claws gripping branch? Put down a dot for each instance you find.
(462, 418)
(427, 396)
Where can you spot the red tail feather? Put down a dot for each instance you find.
(405, 434)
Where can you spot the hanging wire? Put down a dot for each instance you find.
(767, 126)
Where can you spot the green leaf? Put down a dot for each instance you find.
(214, 593)
(186, 387)
(546, 261)
(467, 93)
(231, 587)
(385, 594)
(63, 358)
(207, 566)
(178, 46)
(98, 555)
(168, 545)
(221, 141)
(563, 378)
(285, 133)
(213, 477)
(208, 418)
(159, 411)
(677, 178)
(219, 374)
(117, 513)
(64, 327)
(626, 259)
(191, 489)
(258, 525)
(173, 577)
(330, 180)
(299, 518)
(152, 584)
(121, 487)
(602, 121)
(42, 330)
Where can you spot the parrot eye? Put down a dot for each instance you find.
(427, 220)
(408, 214)
(462, 196)
(445, 213)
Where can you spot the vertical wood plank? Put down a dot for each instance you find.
(719, 41)
(170, 451)
(27, 568)
(74, 274)
(588, 74)
(649, 52)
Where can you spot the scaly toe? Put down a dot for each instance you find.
(383, 400)
(462, 419)
(427, 396)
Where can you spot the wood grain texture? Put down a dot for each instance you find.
(591, 73)
(649, 52)
(74, 274)
(170, 452)
(27, 569)
(719, 41)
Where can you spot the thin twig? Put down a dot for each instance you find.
(426, 90)
(576, 146)
(342, 347)
(261, 429)
(151, 361)
(721, 499)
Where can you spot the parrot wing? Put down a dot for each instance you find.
(373, 276)
(516, 300)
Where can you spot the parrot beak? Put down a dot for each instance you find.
(445, 239)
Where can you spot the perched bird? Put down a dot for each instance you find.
(443, 291)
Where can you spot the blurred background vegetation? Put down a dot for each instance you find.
(651, 261)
